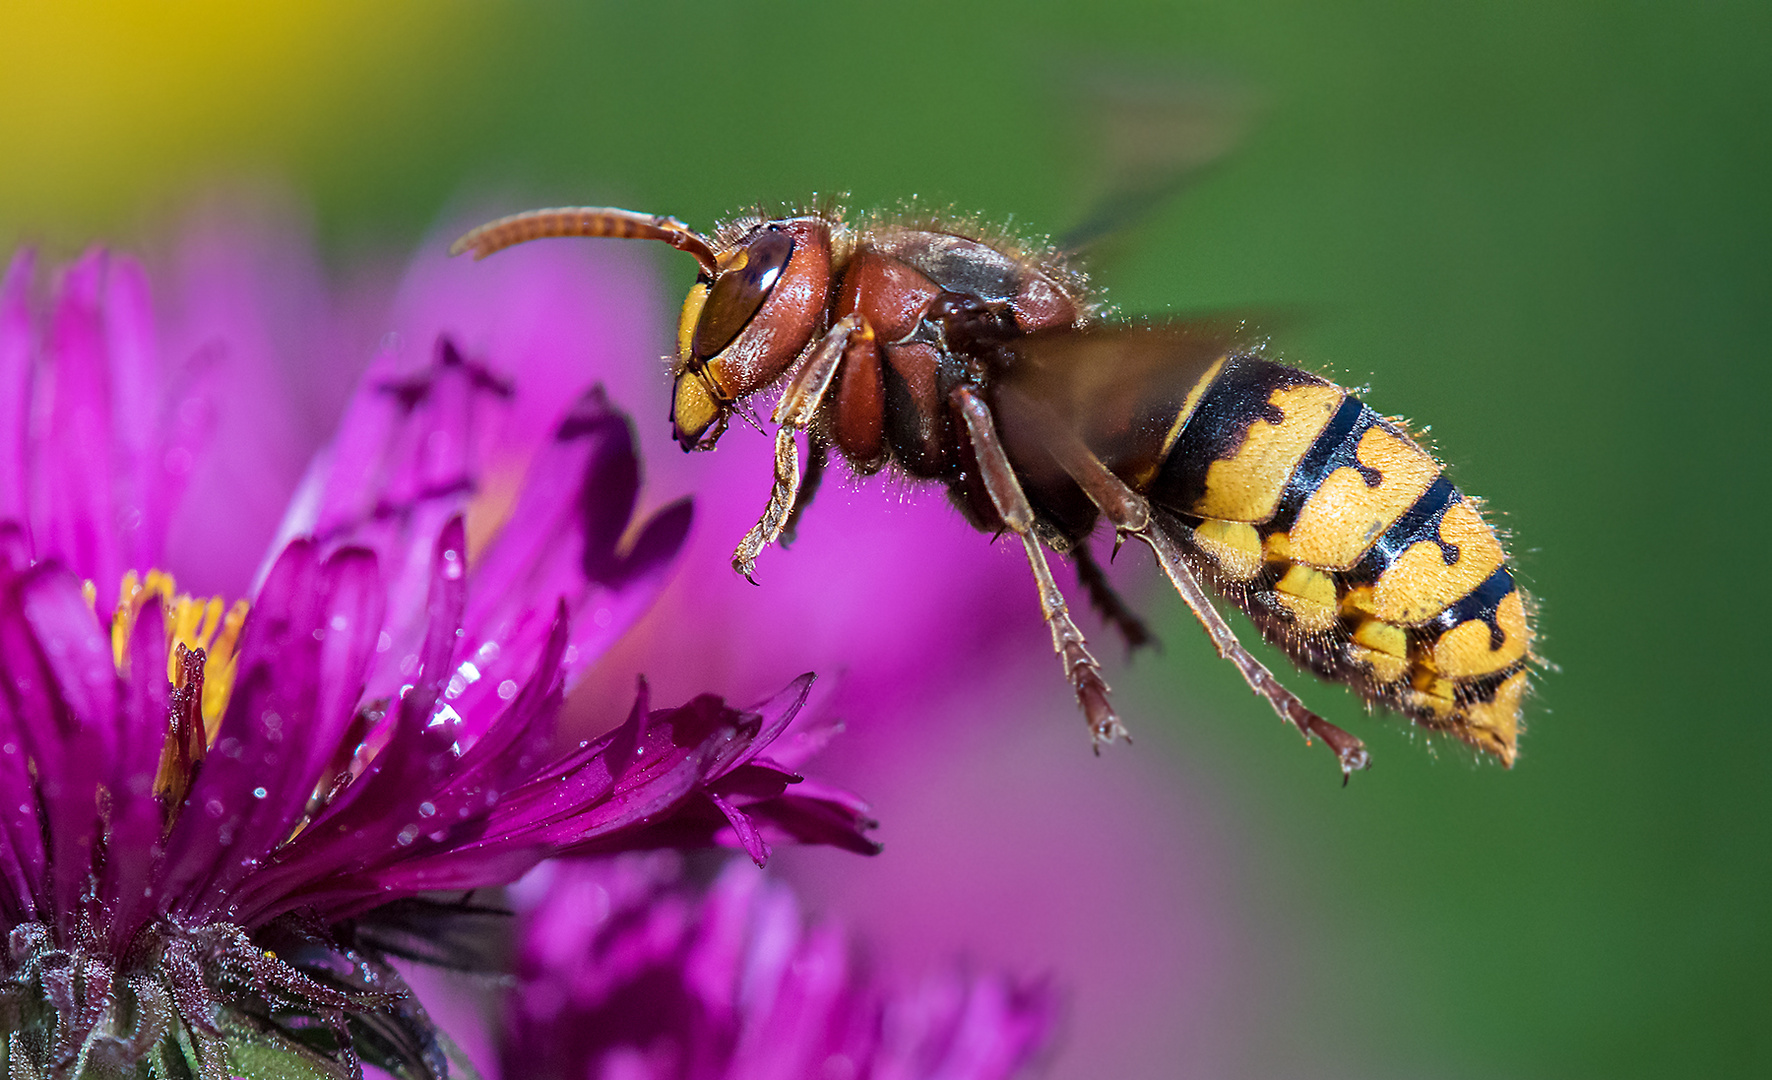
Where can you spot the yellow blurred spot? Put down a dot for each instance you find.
(491, 506)
(110, 106)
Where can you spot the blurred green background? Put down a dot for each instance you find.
(1544, 227)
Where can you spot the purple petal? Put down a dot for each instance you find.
(659, 541)
(561, 543)
(405, 794)
(258, 363)
(277, 659)
(988, 1028)
(15, 547)
(15, 384)
(22, 857)
(62, 691)
(665, 779)
(132, 841)
(812, 813)
(142, 502)
(650, 807)
(774, 716)
(301, 665)
(406, 460)
(610, 481)
(743, 830)
(624, 972)
(72, 517)
(557, 316)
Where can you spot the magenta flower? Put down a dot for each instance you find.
(627, 973)
(204, 806)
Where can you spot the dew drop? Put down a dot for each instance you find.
(506, 691)
(259, 793)
(407, 835)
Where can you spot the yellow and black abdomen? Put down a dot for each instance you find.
(1349, 548)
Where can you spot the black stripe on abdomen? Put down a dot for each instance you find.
(1480, 603)
(1333, 449)
(1238, 397)
(1420, 522)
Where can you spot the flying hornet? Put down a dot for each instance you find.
(962, 356)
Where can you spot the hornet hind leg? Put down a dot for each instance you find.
(1132, 515)
(1011, 504)
(1108, 603)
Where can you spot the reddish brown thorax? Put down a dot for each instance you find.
(924, 295)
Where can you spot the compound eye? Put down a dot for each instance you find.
(740, 291)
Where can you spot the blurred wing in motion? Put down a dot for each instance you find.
(1148, 132)
(1118, 387)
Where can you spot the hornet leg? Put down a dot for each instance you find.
(1012, 506)
(818, 452)
(795, 412)
(1108, 603)
(1131, 515)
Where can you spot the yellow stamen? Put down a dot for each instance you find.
(218, 677)
(205, 625)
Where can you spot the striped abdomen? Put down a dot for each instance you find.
(1348, 547)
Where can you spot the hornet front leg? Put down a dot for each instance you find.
(799, 405)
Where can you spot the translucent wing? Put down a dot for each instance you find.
(1118, 387)
(1145, 133)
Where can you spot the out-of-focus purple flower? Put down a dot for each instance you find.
(627, 973)
(184, 784)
